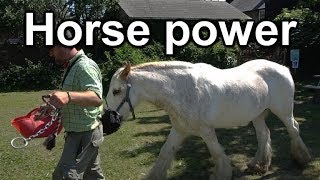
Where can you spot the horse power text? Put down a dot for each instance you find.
(137, 33)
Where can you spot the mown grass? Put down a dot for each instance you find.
(131, 152)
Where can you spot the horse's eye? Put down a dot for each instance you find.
(116, 91)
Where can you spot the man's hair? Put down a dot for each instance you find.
(68, 35)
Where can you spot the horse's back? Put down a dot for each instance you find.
(277, 77)
(246, 90)
(267, 69)
(253, 76)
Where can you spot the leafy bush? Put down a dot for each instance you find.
(43, 75)
(307, 33)
(217, 55)
(119, 56)
(191, 53)
(154, 51)
(32, 76)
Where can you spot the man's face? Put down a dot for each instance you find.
(59, 54)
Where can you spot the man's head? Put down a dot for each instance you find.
(61, 53)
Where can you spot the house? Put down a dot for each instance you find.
(179, 9)
(254, 8)
(262, 9)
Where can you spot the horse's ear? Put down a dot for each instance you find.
(125, 72)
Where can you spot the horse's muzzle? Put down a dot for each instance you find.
(111, 121)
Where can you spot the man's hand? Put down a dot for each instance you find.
(59, 99)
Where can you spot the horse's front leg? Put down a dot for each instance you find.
(167, 152)
(223, 169)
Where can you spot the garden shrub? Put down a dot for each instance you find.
(46, 75)
(119, 56)
(217, 55)
(32, 76)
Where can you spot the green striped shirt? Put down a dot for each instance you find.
(84, 75)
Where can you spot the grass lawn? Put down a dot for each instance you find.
(131, 152)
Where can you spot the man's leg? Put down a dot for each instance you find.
(89, 159)
(73, 165)
(68, 157)
(94, 171)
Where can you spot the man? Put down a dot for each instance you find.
(80, 100)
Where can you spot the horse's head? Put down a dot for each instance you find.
(120, 96)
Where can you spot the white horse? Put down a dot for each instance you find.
(200, 98)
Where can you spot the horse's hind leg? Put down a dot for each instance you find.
(223, 169)
(298, 149)
(167, 152)
(262, 159)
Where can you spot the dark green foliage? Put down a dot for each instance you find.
(154, 51)
(32, 76)
(217, 55)
(118, 57)
(307, 13)
(12, 12)
(43, 75)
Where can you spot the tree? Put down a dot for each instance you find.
(307, 13)
(13, 12)
(93, 9)
(84, 10)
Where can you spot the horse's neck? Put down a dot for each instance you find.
(154, 87)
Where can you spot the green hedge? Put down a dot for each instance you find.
(117, 57)
(44, 75)
(32, 76)
(217, 55)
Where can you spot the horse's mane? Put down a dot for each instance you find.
(162, 65)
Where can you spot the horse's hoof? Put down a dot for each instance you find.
(300, 152)
(302, 158)
(257, 168)
(301, 161)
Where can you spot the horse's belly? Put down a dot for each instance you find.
(233, 120)
(237, 115)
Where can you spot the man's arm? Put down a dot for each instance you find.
(86, 98)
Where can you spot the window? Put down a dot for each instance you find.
(262, 14)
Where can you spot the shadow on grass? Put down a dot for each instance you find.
(242, 141)
(152, 110)
(154, 120)
(164, 132)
